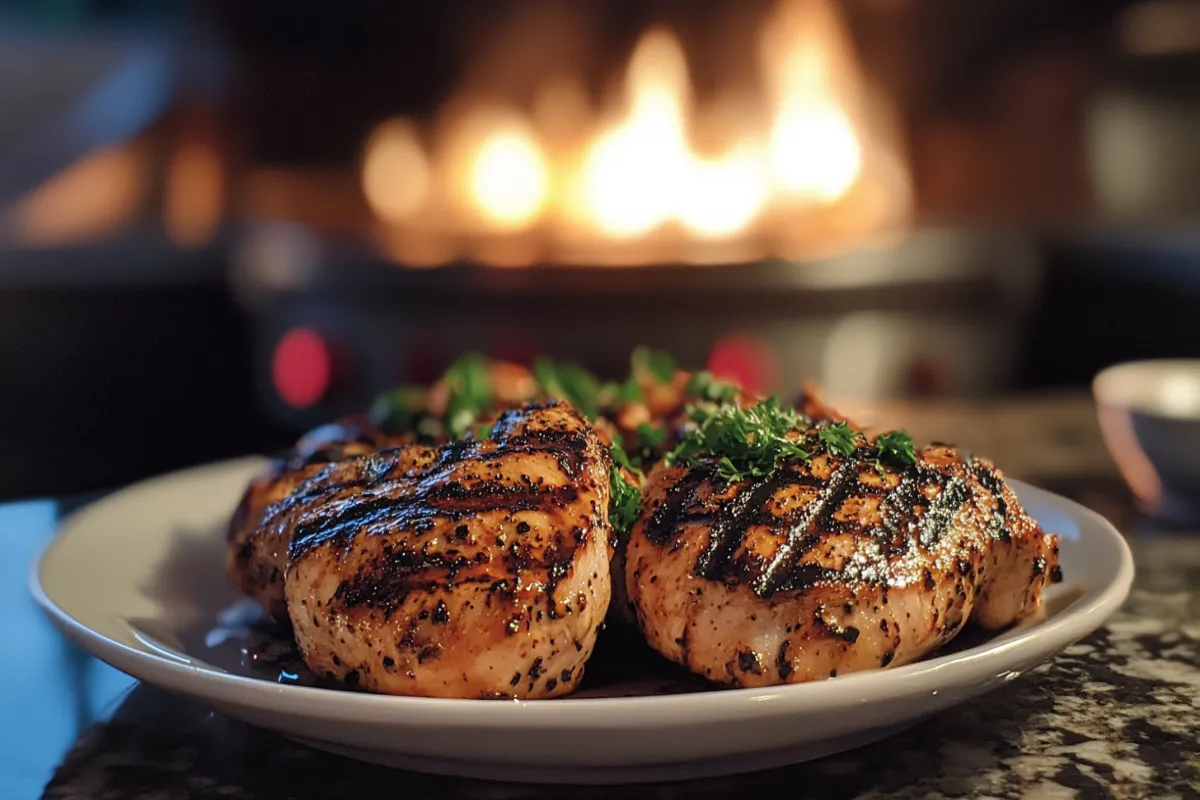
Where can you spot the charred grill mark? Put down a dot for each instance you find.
(942, 511)
(386, 586)
(394, 513)
(730, 528)
(899, 503)
(665, 518)
(997, 526)
(785, 567)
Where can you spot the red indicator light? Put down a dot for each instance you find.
(745, 360)
(302, 367)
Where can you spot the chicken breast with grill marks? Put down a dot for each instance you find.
(257, 553)
(830, 566)
(256, 556)
(475, 569)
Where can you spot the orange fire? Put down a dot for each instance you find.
(800, 161)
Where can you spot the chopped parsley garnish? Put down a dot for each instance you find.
(656, 363)
(839, 438)
(896, 447)
(470, 393)
(625, 499)
(621, 458)
(399, 410)
(570, 382)
(750, 442)
(702, 384)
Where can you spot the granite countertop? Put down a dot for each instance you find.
(1115, 715)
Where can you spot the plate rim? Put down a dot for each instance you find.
(1086, 614)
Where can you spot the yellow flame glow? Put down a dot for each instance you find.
(814, 152)
(721, 197)
(396, 173)
(632, 174)
(509, 179)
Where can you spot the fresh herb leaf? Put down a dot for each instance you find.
(728, 472)
(482, 431)
(702, 384)
(624, 503)
(470, 393)
(839, 438)
(621, 458)
(399, 410)
(570, 382)
(897, 447)
(748, 442)
(656, 363)
(650, 436)
(625, 499)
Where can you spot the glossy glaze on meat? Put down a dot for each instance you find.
(831, 566)
(257, 554)
(473, 569)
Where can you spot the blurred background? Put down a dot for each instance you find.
(223, 222)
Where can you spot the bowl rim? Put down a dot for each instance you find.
(1110, 386)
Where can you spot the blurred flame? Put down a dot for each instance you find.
(795, 154)
(721, 197)
(814, 152)
(508, 176)
(396, 174)
(634, 173)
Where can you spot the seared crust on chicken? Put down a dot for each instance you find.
(831, 566)
(474, 569)
(257, 554)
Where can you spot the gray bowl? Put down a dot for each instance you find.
(1150, 416)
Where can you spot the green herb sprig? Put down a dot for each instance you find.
(625, 499)
(896, 447)
(470, 393)
(839, 438)
(703, 385)
(570, 382)
(749, 442)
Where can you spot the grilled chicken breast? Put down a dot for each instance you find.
(829, 566)
(257, 553)
(474, 569)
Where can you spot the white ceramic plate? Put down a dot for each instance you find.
(138, 580)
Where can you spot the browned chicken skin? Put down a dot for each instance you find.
(474, 569)
(830, 566)
(482, 568)
(257, 554)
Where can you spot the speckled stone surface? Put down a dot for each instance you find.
(1116, 715)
